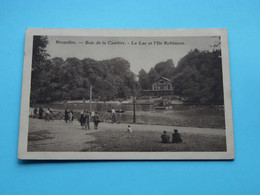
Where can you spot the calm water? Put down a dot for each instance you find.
(178, 115)
(101, 107)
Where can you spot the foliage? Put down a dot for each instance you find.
(57, 79)
(164, 69)
(144, 80)
(198, 77)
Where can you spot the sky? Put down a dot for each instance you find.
(140, 52)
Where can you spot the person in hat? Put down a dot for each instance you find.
(96, 120)
(84, 120)
(176, 137)
(165, 137)
(35, 112)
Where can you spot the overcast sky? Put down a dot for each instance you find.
(139, 56)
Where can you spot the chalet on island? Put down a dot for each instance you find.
(161, 87)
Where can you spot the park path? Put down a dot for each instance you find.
(63, 136)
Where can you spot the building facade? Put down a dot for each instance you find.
(162, 84)
(161, 87)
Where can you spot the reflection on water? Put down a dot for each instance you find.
(101, 107)
(177, 115)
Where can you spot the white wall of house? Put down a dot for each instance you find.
(162, 85)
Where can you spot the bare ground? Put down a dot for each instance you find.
(57, 135)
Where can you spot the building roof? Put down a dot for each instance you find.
(164, 78)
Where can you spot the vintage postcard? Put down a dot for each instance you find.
(116, 94)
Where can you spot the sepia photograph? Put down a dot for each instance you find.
(126, 94)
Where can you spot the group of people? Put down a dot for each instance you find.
(91, 116)
(42, 113)
(176, 137)
(87, 116)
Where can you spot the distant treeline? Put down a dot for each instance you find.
(197, 77)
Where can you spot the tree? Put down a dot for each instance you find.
(71, 79)
(39, 58)
(198, 77)
(152, 75)
(143, 80)
(165, 69)
(39, 52)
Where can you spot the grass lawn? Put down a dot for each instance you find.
(151, 141)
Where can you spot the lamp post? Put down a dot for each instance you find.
(90, 98)
(134, 102)
(134, 116)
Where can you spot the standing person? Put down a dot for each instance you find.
(50, 113)
(35, 112)
(40, 113)
(87, 120)
(71, 116)
(92, 114)
(113, 111)
(80, 118)
(96, 120)
(47, 114)
(66, 115)
(83, 118)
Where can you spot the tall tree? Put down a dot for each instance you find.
(165, 69)
(71, 79)
(198, 77)
(144, 80)
(39, 58)
(39, 52)
(153, 75)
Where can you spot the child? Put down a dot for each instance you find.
(129, 129)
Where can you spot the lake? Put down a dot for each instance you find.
(179, 115)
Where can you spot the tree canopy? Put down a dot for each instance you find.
(197, 77)
(71, 80)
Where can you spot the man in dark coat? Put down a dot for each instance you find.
(83, 119)
(66, 115)
(41, 113)
(96, 120)
(176, 137)
(165, 137)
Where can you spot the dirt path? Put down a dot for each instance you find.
(57, 135)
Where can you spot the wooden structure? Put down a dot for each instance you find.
(161, 87)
